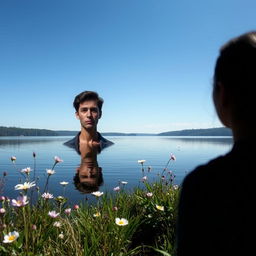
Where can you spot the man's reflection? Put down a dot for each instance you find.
(88, 177)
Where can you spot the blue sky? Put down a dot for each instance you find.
(151, 60)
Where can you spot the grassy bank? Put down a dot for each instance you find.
(137, 222)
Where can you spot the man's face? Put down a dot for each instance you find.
(89, 172)
(88, 114)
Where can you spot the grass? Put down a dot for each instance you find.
(92, 229)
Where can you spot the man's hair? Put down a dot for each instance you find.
(85, 96)
(87, 187)
(236, 70)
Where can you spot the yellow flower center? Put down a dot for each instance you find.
(121, 222)
(11, 238)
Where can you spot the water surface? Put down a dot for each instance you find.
(118, 162)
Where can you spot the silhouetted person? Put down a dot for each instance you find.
(217, 201)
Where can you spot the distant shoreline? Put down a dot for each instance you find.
(16, 131)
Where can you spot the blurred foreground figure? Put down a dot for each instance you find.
(217, 201)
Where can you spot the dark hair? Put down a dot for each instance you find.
(87, 95)
(236, 70)
(86, 187)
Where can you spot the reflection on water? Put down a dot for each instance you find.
(117, 163)
(17, 141)
(88, 177)
(202, 140)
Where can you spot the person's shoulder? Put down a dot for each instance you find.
(210, 171)
(105, 142)
(72, 142)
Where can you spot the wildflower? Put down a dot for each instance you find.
(160, 208)
(149, 216)
(57, 224)
(13, 158)
(21, 201)
(58, 159)
(121, 222)
(34, 227)
(97, 193)
(2, 210)
(175, 187)
(11, 237)
(25, 186)
(144, 178)
(116, 188)
(97, 214)
(2, 198)
(149, 168)
(50, 171)
(68, 211)
(76, 206)
(115, 208)
(149, 194)
(64, 183)
(141, 161)
(26, 170)
(53, 214)
(47, 195)
(61, 236)
(61, 199)
(124, 182)
(172, 157)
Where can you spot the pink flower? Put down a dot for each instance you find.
(115, 208)
(47, 196)
(116, 188)
(144, 178)
(149, 194)
(53, 214)
(2, 198)
(26, 170)
(34, 227)
(68, 211)
(76, 206)
(21, 201)
(58, 159)
(13, 158)
(172, 157)
(2, 210)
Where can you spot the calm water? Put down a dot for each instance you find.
(118, 162)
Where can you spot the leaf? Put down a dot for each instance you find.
(163, 252)
(2, 249)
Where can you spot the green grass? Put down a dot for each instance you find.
(150, 231)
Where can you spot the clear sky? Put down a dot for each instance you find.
(151, 60)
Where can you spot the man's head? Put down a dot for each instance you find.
(88, 178)
(88, 106)
(234, 81)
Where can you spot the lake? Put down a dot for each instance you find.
(118, 162)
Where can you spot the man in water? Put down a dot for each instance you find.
(88, 106)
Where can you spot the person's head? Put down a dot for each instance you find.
(88, 179)
(88, 106)
(234, 81)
